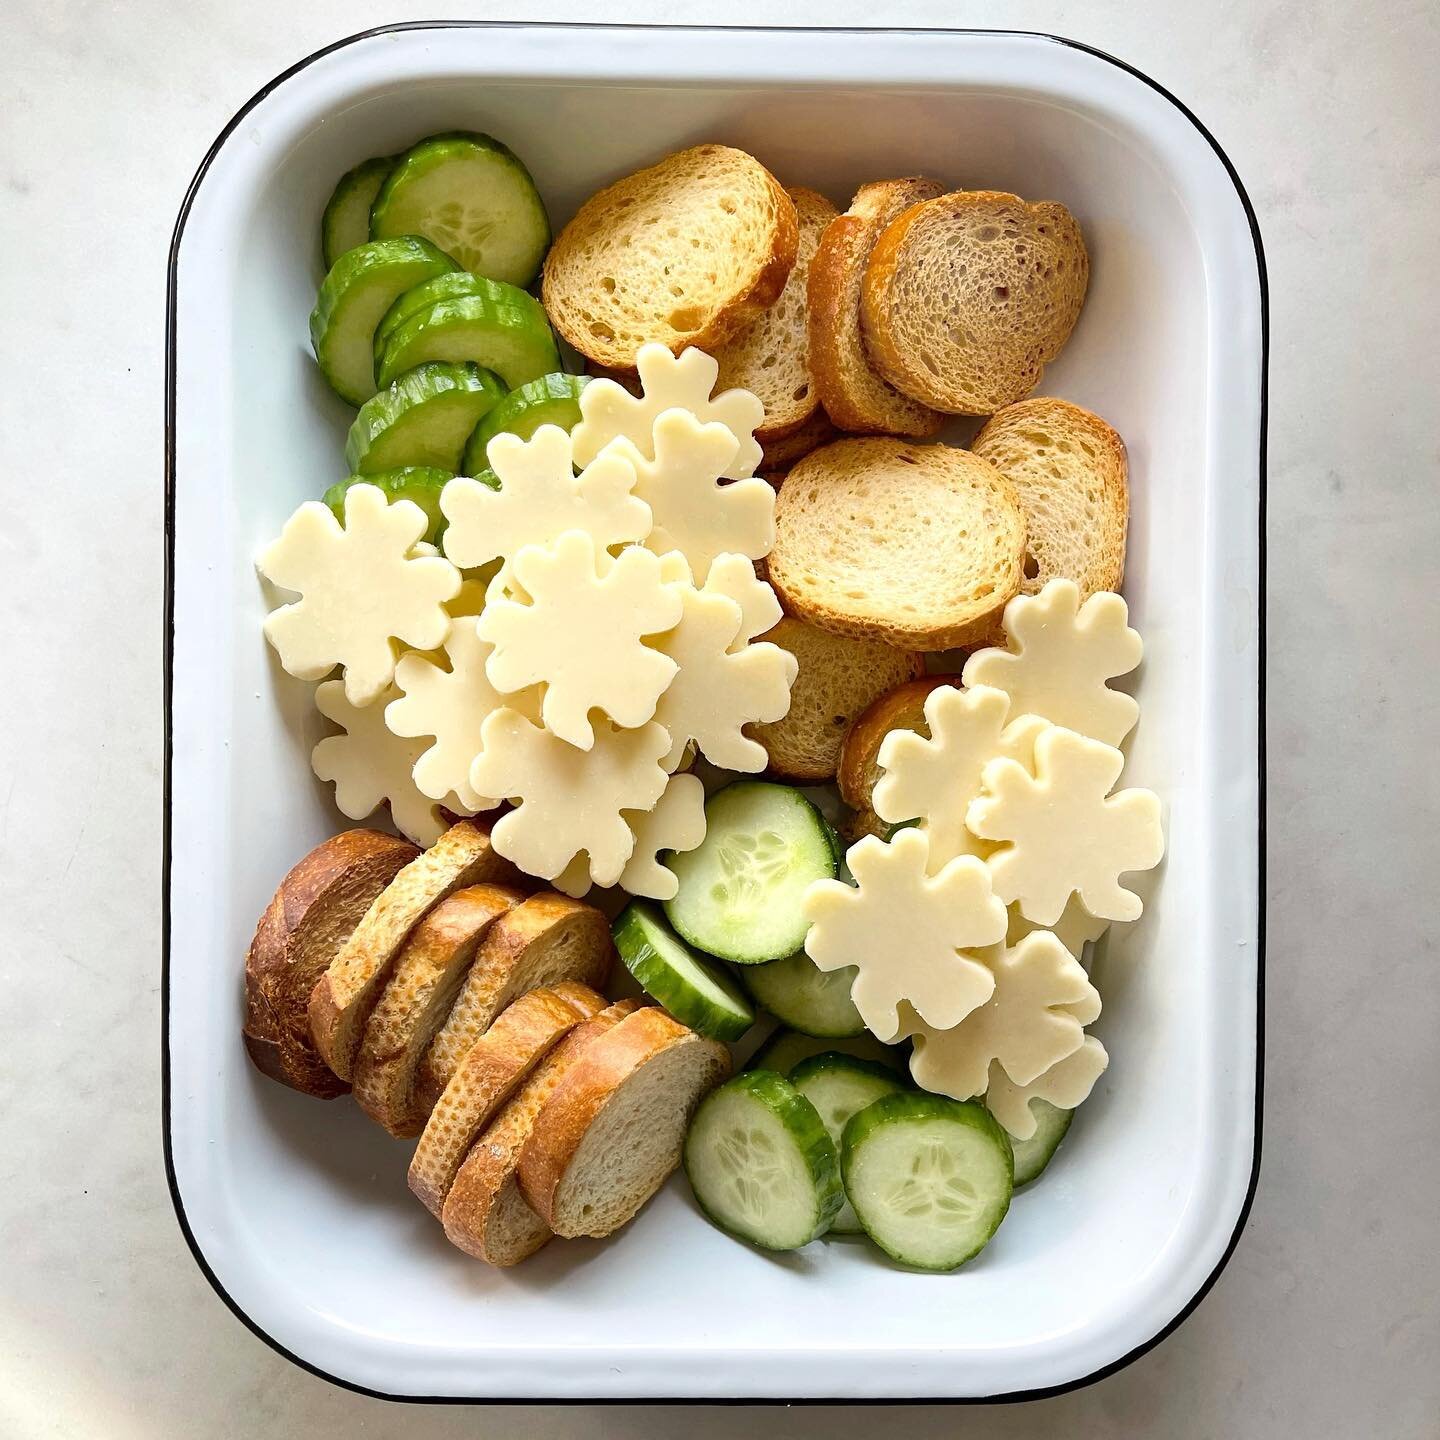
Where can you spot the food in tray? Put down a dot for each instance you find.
(538, 599)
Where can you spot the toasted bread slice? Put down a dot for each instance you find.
(547, 939)
(318, 905)
(919, 546)
(856, 397)
(969, 296)
(485, 1213)
(838, 677)
(686, 252)
(779, 455)
(770, 356)
(857, 824)
(609, 1134)
(346, 993)
(522, 1035)
(1071, 475)
(415, 1001)
(902, 708)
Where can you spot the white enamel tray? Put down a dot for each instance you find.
(298, 1210)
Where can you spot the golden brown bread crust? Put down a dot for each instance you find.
(779, 455)
(901, 707)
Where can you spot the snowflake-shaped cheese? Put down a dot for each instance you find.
(360, 588)
(1062, 833)
(371, 766)
(907, 932)
(734, 577)
(718, 690)
(540, 497)
(1064, 653)
(1065, 1084)
(676, 823)
(668, 382)
(568, 800)
(578, 632)
(1075, 928)
(574, 879)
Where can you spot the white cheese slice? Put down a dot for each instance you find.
(1065, 1084)
(676, 823)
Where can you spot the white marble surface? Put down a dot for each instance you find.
(1325, 1323)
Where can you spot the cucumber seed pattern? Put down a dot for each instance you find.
(934, 1186)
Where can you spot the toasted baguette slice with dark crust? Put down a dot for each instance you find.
(779, 455)
(685, 252)
(856, 397)
(969, 296)
(318, 905)
(547, 939)
(522, 1035)
(609, 1134)
(415, 1001)
(346, 993)
(902, 708)
(485, 1214)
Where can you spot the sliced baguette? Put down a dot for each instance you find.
(779, 455)
(918, 546)
(522, 1035)
(770, 357)
(685, 252)
(967, 297)
(838, 677)
(415, 1001)
(547, 939)
(346, 993)
(902, 708)
(856, 397)
(485, 1213)
(317, 906)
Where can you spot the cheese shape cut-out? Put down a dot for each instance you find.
(1075, 929)
(907, 932)
(668, 382)
(1066, 1085)
(718, 690)
(734, 577)
(677, 822)
(1063, 653)
(574, 879)
(1060, 831)
(1035, 1016)
(361, 589)
(370, 766)
(578, 632)
(540, 497)
(568, 800)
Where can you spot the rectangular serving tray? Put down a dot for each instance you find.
(296, 1210)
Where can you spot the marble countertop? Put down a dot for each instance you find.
(1324, 1324)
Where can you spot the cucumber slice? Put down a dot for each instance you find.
(761, 1163)
(360, 288)
(798, 992)
(470, 195)
(1034, 1154)
(695, 991)
(839, 1086)
(455, 285)
(414, 482)
(740, 890)
(550, 400)
(509, 341)
(930, 1178)
(785, 1049)
(346, 221)
(424, 418)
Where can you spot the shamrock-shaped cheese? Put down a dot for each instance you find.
(360, 588)
(540, 497)
(668, 382)
(578, 631)
(1062, 833)
(568, 800)
(1034, 1018)
(907, 932)
(1064, 653)
(676, 823)
(1065, 1084)
(1075, 928)
(370, 765)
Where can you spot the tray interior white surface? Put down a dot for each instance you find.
(300, 1208)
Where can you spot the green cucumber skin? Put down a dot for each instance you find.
(550, 400)
(409, 394)
(786, 1049)
(421, 484)
(496, 337)
(346, 221)
(454, 285)
(771, 989)
(1032, 1156)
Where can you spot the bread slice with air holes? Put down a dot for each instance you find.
(902, 708)
(313, 913)
(917, 546)
(771, 356)
(685, 252)
(542, 941)
(855, 395)
(779, 455)
(967, 297)
(346, 993)
(494, 1066)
